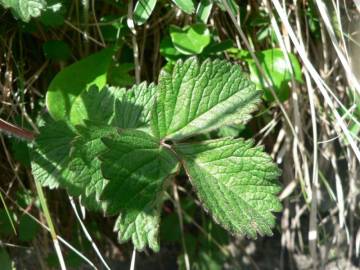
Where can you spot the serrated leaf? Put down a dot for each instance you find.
(25, 9)
(68, 157)
(50, 156)
(86, 179)
(97, 105)
(196, 98)
(185, 5)
(133, 110)
(115, 106)
(72, 80)
(137, 167)
(236, 182)
(143, 10)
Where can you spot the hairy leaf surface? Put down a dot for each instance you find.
(137, 167)
(236, 182)
(196, 98)
(86, 179)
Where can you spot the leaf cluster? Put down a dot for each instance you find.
(119, 149)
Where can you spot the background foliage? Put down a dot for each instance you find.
(301, 53)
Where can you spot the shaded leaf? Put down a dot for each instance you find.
(74, 79)
(137, 167)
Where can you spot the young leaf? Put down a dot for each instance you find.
(236, 182)
(191, 39)
(143, 10)
(137, 167)
(196, 98)
(74, 79)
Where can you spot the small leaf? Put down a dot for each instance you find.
(191, 39)
(236, 182)
(276, 70)
(203, 10)
(195, 98)
(137, 167)
(5, 260)
(168, 50)
(54, 15)
(143, 10)
(185, 5)
(28, 228)
(72, 80)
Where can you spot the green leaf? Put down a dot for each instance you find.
(134, 109)
(185, 5)
(168, 50)
(196, 98)
(191, 39)
(236, 182)
(137, 167)
(54, 15)
(50, 155)
(68, 158)
(276, 70)
(86, 179)
(6, 223)
(5, 260)
(203, 10)
(56, 50)
(95, 105)
(72, 80)
(234, 7)
(25, 9)
(115, 106)
(119, 75)
(28, 228)
(143, 10)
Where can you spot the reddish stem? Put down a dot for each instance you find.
(16, 131)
